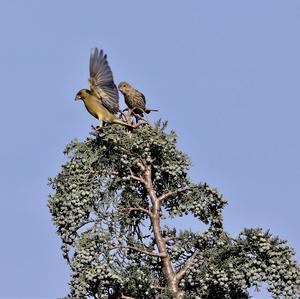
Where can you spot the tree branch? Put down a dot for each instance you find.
(173, 193)
(168, 270)
(151, 253)
(137, 124)
(126, 297)
(187, 266)
(136, 178)
(136, 209)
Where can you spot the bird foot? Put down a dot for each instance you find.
(138, 116)
(137, 124)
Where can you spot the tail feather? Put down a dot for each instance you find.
(151, 110)
(118, 121)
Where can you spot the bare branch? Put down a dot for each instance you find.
(168, 270)
(151, 253)
(187, 265)
(136, 178)
(136, 209)
(173, 193)
(126, 297)
(142, 165)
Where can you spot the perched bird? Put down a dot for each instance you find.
(102, 100)
(134, 99)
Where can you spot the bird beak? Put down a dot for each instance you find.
(77, 98)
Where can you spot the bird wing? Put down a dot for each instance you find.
(102, 82)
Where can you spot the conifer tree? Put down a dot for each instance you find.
(111, 203)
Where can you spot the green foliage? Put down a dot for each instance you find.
(234, 265)
(97, 207)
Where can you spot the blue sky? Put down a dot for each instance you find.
(224, 73)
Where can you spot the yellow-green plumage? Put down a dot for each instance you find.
(95, 108)
(102, 101)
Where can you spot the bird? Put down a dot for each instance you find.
(102, 100)
(134, 99)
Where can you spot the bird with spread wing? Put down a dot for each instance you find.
(102, 100)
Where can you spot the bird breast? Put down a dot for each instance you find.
(92, 105)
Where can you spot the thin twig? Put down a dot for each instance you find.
(136, 209)
(151, 253)
(134, 177)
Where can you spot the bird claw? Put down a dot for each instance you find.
(132, 113)
(139, 123)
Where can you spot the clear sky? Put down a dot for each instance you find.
(224, 73)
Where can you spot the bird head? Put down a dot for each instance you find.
(82, 94)
(124, 86)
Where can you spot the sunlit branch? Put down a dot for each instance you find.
(136, 178)
(174, 193)
(187, 265)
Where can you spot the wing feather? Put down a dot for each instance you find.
(102, 82)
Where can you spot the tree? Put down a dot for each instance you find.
(110, 202)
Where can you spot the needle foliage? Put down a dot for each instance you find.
(113, 203)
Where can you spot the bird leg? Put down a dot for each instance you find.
(137, 116)
(137, 124)
(125, 117)
(128, 116)
(132, 113)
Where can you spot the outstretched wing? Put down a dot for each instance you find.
(102, 82)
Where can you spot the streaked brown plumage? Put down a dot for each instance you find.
(134, 99)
